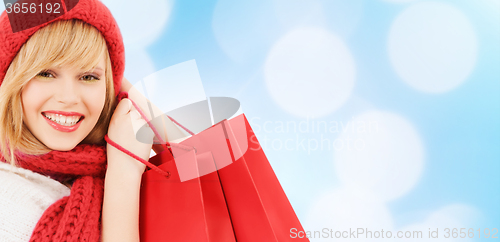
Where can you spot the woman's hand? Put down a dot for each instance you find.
(120, 209)
(166, 128)
(124, 124)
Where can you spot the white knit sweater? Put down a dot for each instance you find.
(24, 196)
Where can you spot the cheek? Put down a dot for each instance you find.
(32, 98)
(95, 99)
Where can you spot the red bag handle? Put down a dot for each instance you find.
(122, 95)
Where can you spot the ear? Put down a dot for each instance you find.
(125, 85)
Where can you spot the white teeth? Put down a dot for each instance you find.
(63, 120)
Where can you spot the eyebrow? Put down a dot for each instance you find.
(95, 68)
(98, 68)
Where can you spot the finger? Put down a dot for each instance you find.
(123, 107)
(134, 114)
(143, 111)
(135, 109)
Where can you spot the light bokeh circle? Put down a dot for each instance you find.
(432, 46)
(244, 29)
(339, 210)
(452, 217)
(310, 72)
(341, 17)
(139, 64)
(380, 156)
(291, 13)
(141, 23)
(399, 1)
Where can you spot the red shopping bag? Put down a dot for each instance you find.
(258, 207)
(255, 198)
(171, 210)
(216, 185)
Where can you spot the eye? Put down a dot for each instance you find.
(45, 74)
(90, 78)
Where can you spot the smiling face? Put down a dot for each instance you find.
(61, 105)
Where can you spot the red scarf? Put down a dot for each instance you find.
(76, 217)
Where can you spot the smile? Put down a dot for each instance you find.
(63, 121)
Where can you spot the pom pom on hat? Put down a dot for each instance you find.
(93, 12)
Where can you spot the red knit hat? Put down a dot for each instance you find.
(93, 12)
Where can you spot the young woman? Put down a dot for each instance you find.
(59, 181)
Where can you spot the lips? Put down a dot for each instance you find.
(63, 121)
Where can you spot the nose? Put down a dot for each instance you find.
(67, 92)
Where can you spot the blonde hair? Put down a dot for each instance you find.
(64, 42)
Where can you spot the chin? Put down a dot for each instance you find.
(62, 147)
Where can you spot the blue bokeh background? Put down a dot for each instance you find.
(456, 128)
